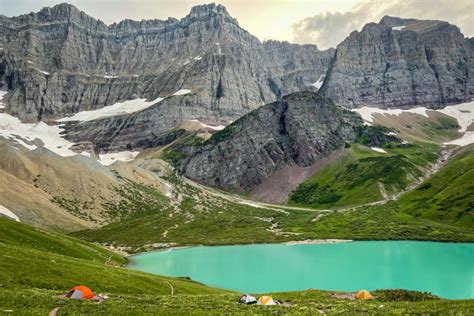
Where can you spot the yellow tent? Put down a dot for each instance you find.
(364, 295)
(266, 300)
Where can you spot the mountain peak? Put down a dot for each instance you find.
(65, 11)
(206, 9)
(395, 21)
(210, 9)
(62, 9)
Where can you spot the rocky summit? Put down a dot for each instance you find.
(402, 63)
(60, 61)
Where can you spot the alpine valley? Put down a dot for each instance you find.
(145, 135)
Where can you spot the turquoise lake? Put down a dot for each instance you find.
(444, 269)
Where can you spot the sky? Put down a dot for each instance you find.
(321, 22)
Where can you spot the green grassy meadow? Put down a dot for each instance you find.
(37, 266)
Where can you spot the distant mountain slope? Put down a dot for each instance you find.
(60, 61)
(401, 63)
(66, 193)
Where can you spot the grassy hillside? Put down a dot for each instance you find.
(36, 266)
(362, 175)
(378, 222)
(448, 196)
(13, 234)
(33, 258)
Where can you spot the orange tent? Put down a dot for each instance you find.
(80, 292)
(364, 295)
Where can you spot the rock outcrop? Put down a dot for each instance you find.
(297, 130)
(61, 61)
(402, 63)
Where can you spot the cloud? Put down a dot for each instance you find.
(329, 28)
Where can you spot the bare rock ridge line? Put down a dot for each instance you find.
(402, 63)
(61, 61)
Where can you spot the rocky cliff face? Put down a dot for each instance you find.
(61, 61)
(402, 63)
(297, 130)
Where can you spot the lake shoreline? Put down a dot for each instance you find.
(289, 243)
(317, 241)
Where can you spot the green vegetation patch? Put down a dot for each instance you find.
(362, 176)
(448, 195)
(222, 135)
(136, 199)
(401, 295)
(374, 135)
(182, 148)
(378, 222)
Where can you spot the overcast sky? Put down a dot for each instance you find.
(321, 22)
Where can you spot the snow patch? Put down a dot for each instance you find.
(28, 135)
(203, 125)
(186, 62)
(466, 139)
(219, 50)
(44, 72)
(367, 113)
(398, 28)
(2, 94)
(119, 108)
(30, 62)
(182, 92)
(110, 158)
(197, 58)
(379, 150)
(391, 134)
(319, 83)
(8, 213)
(110, 77)
(36, 135)
(463, 113)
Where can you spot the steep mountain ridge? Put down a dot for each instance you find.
(297, 130)
(61, 61)
(402, 63)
